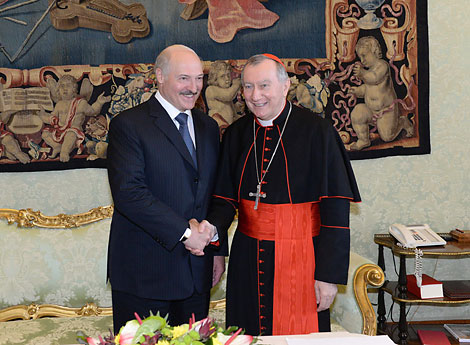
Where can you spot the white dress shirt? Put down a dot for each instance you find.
(173, 112)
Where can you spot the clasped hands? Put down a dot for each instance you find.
(201, 235)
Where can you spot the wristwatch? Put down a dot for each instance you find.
(186, 235)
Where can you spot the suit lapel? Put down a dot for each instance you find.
(163, 121)
(199, 131)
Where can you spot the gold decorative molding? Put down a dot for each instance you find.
(35, 311)
(367, 274)
(27, 218)
(218, 304)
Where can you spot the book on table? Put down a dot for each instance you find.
(461, 235)
(428, 337)
(459, 331)
(430, 287)
(457, 288)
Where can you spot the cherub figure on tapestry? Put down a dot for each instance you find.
(222, 89)
(66, 120)
(380, 105)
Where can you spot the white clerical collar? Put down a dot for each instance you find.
(267, 123)
(170, 108)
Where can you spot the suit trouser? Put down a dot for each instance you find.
(178, 311)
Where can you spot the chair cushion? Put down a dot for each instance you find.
(51, 331)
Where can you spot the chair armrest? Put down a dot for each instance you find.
(367, 274)
(352, 308)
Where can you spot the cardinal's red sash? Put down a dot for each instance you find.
(292, 227)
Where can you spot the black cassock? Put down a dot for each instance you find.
(310, 165)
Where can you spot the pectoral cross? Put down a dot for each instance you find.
(258, 194)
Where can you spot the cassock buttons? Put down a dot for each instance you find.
(261, 289)
(196, 180)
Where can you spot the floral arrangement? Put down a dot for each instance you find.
(155, 330)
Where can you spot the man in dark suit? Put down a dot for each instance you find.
(162, 160)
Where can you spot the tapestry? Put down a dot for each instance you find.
(67, 67)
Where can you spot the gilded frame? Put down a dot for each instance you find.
(27, 218)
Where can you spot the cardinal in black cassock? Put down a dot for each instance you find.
(291, 180)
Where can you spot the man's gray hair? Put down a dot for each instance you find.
(257, 59)
(163, 59)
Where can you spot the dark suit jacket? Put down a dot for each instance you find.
(156, 190)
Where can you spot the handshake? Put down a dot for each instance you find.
(201, 235)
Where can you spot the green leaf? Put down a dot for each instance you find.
(195, 335)
(187, 339)
(148, 327)
(230, 330)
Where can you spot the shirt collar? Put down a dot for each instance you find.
(170, 108)
(267, 123)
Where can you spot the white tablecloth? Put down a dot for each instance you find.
(325, 339)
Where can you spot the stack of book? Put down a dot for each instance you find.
(459, 331)
(461, 235)
(458, 289)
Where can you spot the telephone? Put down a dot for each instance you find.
(412, 236)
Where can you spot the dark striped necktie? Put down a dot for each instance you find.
(182, 119)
